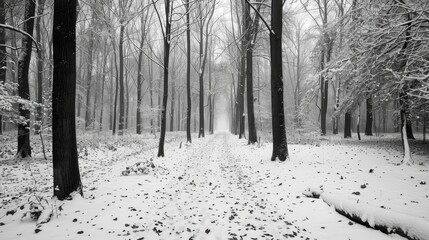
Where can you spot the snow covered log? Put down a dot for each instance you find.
(407, 226)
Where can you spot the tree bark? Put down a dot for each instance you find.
(242, 84)
(88, 119)
(3, 62)
(348, 125)
(64, 148)
(115, 104)
(152, 127)
(139, 78)
(39, 117)
(121, 81)
(358, 123)
(188, 75)
(210, 94)
(369, 117)
(280, 149)
(173, 96)
(249, 76)
(103, 81)
(24, 149)
(167, 38)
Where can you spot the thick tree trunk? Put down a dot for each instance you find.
(3, 62)
(167, 38)
(121, 125)
(188, 75)
(348, 125)
(39, 117)
(369, 117)
(24, 149)
(280, 149)
(64, 148)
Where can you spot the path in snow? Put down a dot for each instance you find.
(216, 188)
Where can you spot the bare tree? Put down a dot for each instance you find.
(166, 33)
(188, 74)
(24, 149)
(280, 150)
(204, 19)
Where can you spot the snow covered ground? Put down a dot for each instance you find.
(215, 188)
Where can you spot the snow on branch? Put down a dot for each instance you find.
(22, 32)
(387, 221)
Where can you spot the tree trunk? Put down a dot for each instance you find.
(139, 78)
(39, 117)
(179, 106)
(241, 87)
(173, 96)
(358, 123)
(96, 89)
(64, 148)
(424, 127)
(121, 81)
(115, 104)
(201, 76)
(112, 92)
(337, 105)
(348, 125)
(103, 80)
(24, 149)
(369, 117)
(3, 62)
(322, 94)
(167, 38)
(88, 119)
(407, 153)
(152, 127)
(127, 100)
(280, 149)
(210, 94)
(249, 76)
(159, 112)
(188, 75)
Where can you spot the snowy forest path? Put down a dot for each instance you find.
(216, 188)
(213, 198)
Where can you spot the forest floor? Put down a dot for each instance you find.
(218, 187)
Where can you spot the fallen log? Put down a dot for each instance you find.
(387, 221)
